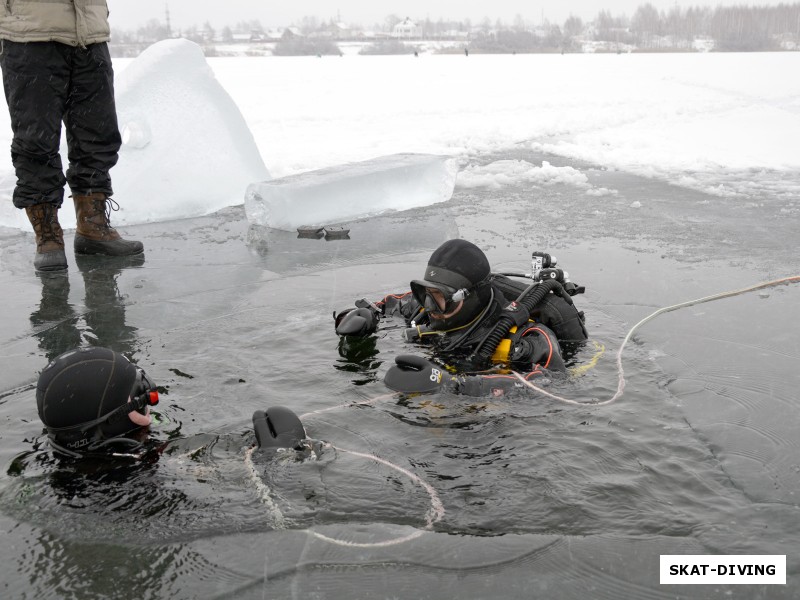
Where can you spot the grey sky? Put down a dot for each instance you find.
(128, 14)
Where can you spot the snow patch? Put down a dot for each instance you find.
(502, 173)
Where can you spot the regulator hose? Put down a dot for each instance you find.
(515, 314)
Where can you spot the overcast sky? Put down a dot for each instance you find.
(128, 14)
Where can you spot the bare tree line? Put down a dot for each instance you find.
(732, 28)
(735, 28)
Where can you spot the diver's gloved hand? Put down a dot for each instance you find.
(359, 321)
(278, 427)
(413, 374)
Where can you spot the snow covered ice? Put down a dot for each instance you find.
(351, 191)
(726, 124)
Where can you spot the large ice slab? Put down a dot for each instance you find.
(187, 150)
(351, 191)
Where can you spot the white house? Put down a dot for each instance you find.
(406, 29)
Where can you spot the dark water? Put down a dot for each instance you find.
(540, 498)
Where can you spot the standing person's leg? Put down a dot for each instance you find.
(36, 81)
(93, 141)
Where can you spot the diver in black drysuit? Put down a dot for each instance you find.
(95, 404)
(479, 324)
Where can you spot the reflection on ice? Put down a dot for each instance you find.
(368, 239)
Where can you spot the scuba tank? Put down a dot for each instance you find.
(515, 314)
(555, 310)
(534, 301)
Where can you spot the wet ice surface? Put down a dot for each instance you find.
(541, 498)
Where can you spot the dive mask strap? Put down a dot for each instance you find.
(148, 397)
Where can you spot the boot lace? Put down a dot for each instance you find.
(46, 225)
(105, 206)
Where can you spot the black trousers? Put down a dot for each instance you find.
(46, 83)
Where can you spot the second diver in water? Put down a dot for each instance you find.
(479, 324)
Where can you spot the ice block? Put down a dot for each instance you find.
(351, 191)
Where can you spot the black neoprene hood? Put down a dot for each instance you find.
(83, 385)
(455, 264)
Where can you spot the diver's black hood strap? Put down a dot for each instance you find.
(135, 404)
(443, 279)
(125, 447)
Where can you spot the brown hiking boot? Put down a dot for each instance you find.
(94, 234)
(49, 238)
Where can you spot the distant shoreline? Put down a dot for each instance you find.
(411, 47)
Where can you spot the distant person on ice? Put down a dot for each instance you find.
(479, 324)
(56, 67)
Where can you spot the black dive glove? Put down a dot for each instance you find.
(360, 321)
(278, 427)
(414, 374)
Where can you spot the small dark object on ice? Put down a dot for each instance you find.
(336, 233)
(313, 232)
